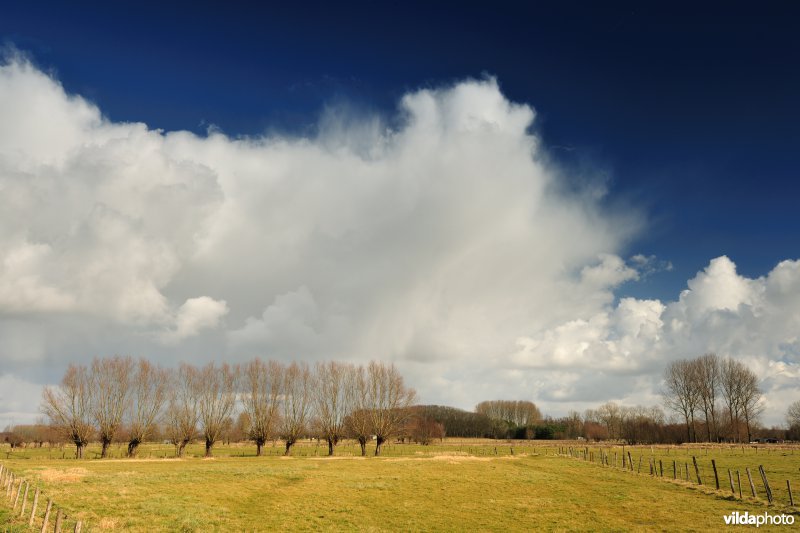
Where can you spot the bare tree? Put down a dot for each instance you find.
(680, 393)
(297, 389)
(262, 388)
(706, 372)
(359, 422)
(182, 414)
(68, 406)
(111, 387)
(514, 413)
(610, 414)
(215, 401)
(742, 396)
(332, 399)
(389, 401)
(731, 372)
(750, 400)
(793, 414)
(148, 394)
(574, 425)
(423, 429)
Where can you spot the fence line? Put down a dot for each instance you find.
(657, 470)
(18, 498)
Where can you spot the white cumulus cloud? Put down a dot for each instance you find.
(754, 320)
(445, 243)
(195, 315)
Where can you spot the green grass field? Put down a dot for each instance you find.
(780, 464)
(459, 485)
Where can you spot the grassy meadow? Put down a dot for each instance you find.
(780, 464)
(454, 486)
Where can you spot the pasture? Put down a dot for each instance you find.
(455, 485)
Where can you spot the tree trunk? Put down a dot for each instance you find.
(714, 424)
(688, 431)
(380, 440)
(133, 447)
(747, 424)
(330, 446)
(79, 447)
(181, 448)
(106, 442)
(289, 443)
(209, 446)
(259, 447)
(363, 442)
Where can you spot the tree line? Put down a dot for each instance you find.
(717, 398)
(498, 419)
(330, 400)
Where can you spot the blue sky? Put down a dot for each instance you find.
(690, 111)
(685, 116)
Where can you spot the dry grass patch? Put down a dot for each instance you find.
(56, 475)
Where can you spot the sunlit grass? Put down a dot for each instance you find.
(780, 464)
(465, 485)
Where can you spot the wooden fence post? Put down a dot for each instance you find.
(78, 526)
(19, 490)
(10, 486)
(697, 470)
(674, 470)
(789, 488)
(661, 467)
(750, 479)
(24, 500)
(33, 508)
(766, 483)
(59, 521)
(630, 461)
(47, 515)
(716, 477)
(739, 482)
(730, 478)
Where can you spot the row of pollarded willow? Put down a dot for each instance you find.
(98, 398)
(341, 399)
(719, 390)
(289, 401)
